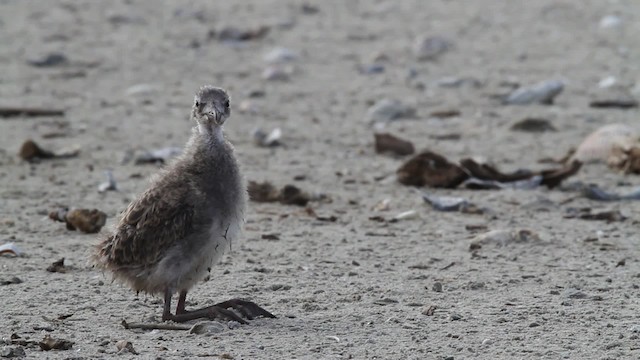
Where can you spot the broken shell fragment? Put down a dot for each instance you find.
(57, 267)
(600, 143)
(431, 169)
(261, 138)
(158, 155)
(387, 143)
(110, 184)
(10, 248)
(262, 191)
(31, 151)
(540, 93)
(446, 203)
(49, 343)
(267, 192)
(504, 237)
(86, 220)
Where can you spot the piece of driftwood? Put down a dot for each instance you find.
(14, 111)
(154, 326)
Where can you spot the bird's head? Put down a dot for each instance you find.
(211, 107)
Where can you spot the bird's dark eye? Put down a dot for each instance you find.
(226, 104)
(197, 104)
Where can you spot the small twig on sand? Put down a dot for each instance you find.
(12, 111)
(154, 326)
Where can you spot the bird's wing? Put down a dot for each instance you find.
(150, 226)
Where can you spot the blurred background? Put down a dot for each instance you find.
(101, 86)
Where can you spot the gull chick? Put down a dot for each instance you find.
(169, 238)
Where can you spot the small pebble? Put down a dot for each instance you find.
(12, 352)
(125, 346)
(610, 21)
(233, 324)
(206, 327)
(280, 55)
(386, 110)
(437, 287)
(11, 281)
(276, 73)
(49, 60)
(110, 184)
(371, 69)
(431, 47)
(540, 93)
(455, 317)
(574, 294)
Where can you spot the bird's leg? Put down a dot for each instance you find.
(166, 312)
(181, 302)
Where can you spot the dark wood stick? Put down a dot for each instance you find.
(13, 111)
(154, 326)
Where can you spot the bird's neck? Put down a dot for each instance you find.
(211, 133)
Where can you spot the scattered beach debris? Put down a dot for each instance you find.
(387, 143)
(405, 215)
(267, 192)
(625, 158)
(15, 111)
(540, 93)
(141, 90)
(89, 221)
(430, 169)
(262, 192)
(386, 110)
(207, 328)
(533, 125)
(155, 326)
(599, 145)
(504, 237)
(10, 281)
(610, 21)
(278, 73)
(594, 192)
(429, 310)
(449, 203)
(521, 179)
(443, 114)
(264, 139)
(49, 60)
(589, 214)
(434, 170)
(607, 82)
(12, 352)
(456, 82)
(31, 151)
(369, 69)
(382, 205)
(125, 347)
(613, 97)
(292, 195)
(234, 34)
(281, 55)
(526, 184)
(110, 184)
(58, 267)
(49, 343)
(158, 156)
(431, 47)
(249, 107)
(10, 248)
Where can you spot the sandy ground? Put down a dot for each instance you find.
(353, 288)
